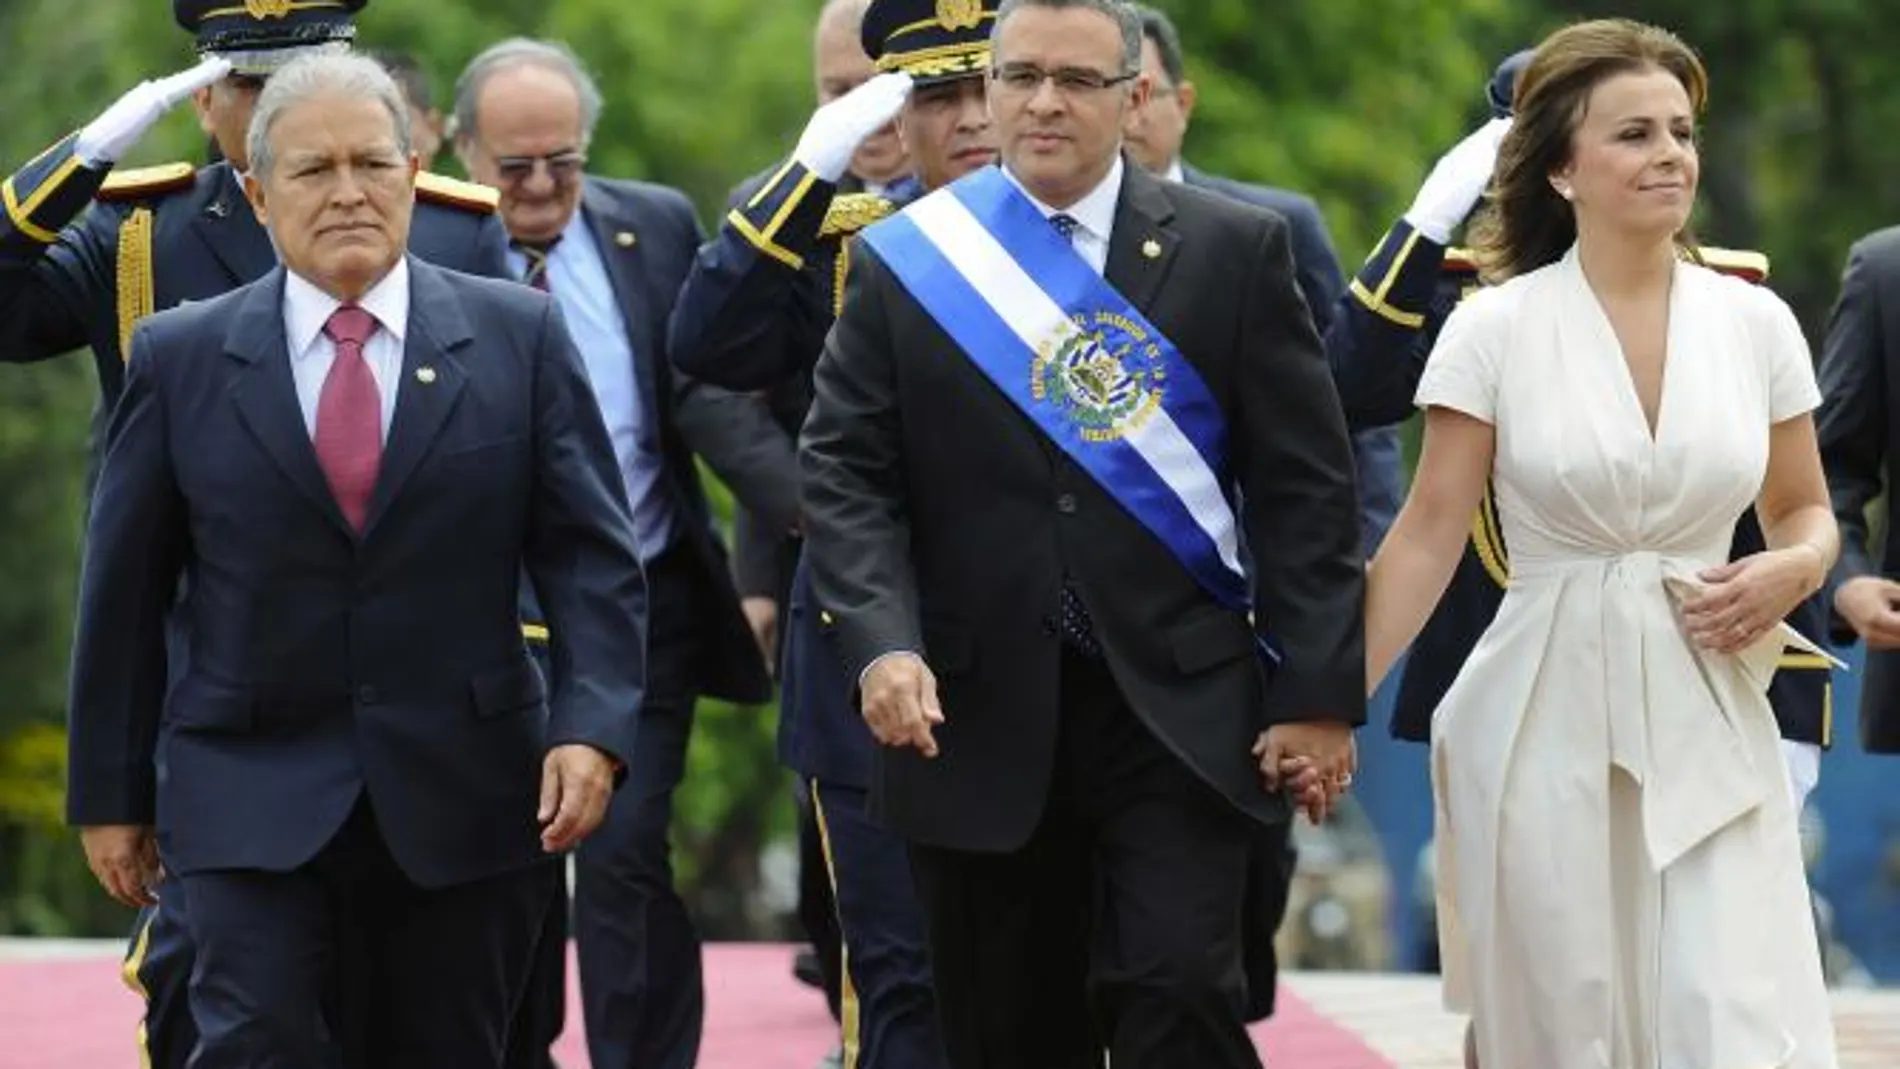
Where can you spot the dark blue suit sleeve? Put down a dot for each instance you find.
(136, 541)
(750, 312)
(48, 267)
(1852, 422)
(582, 558)
(1382, 328)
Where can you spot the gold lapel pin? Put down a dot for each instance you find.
(425, 375)
(625, 239)
(1151, 249)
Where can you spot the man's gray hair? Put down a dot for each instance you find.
(1126, 17)
(343, 74)
(523, 52)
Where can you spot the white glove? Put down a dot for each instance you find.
(120, 126)
(1456, 182)
(836, 130)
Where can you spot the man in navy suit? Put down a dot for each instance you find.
(613, 255)
(352, 484)
(96, 247)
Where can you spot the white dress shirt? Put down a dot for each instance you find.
(307, 309)
(1094, 215)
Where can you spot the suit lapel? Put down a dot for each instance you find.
(266, 394)
(1142, 248)
(431, 383)
(617, 236)
(227, 225)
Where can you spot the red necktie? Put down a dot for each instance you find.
(349, 437)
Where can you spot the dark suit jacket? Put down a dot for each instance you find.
(1316, 265)
(1860, 440)
(939, 520)
(322, 663)
(647, 234)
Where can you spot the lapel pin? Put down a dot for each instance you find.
(425, 375)
(1151, 249)
(625, 239)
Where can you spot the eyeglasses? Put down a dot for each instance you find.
(563, 166)
(1027, 78)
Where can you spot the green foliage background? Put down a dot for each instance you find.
(1348, 102)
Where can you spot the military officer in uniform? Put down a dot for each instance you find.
(753, 316)
(765, 547)
(86, 251)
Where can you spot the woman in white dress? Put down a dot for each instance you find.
(1620, 877)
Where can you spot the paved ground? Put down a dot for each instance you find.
(61, 1008)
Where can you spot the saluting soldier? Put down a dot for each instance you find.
(753, 316)
(86, 251)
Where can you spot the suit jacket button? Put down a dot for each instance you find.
(1048, 624)
(368, 695)
(1066, 504)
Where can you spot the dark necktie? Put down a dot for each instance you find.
(537, 256)
(1078, 629)
(349, 434)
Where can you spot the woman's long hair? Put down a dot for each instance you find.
(1526, 224)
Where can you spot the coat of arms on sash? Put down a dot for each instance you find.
(1104, 376)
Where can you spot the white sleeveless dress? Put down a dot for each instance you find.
(1620, 879)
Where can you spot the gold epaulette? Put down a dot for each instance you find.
(852, 212)
(145, 182)
(1460, 261)
(468, 196)
(1742, 263)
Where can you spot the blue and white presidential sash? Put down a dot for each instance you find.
(1078, 359)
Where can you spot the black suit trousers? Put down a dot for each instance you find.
(440, 970)
(1118, 925)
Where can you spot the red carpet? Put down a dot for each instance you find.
(72, 1014)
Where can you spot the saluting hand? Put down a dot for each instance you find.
(577, 781)
(900, 702)
(120, 126)
(836, 130)
(124, 859)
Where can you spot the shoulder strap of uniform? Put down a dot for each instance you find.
(455, 193)
(144, 183)
(1742, 263)
(852, 212)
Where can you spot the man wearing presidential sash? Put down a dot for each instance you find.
(1058, 392)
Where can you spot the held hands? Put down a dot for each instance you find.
(1871, 606)
(832, 136)
(900, 702)
(577, 781)
(124, 859)
(1456, 182)
(119, 127)
(1312, 762)
(1745, 598)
